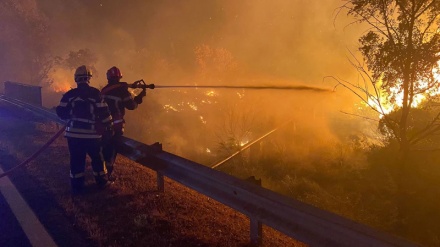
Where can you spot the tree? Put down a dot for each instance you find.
(401, 50)
(214, 64)
(25, 50)
(81, 57)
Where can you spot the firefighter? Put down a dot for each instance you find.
(118, 98)
(85, 110)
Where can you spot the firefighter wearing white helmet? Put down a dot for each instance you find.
(84, 110)
(82, 74)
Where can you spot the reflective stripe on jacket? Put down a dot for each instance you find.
(118, 98)
(84, 108)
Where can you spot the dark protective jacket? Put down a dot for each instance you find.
(118, 98)
(85, 110)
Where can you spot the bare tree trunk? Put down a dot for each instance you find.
(403, 181)
(403, 165)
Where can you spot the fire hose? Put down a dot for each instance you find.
(34, 155)
(141, 84)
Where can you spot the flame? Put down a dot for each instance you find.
(244, 141)
(62, 80)
(208, 102)
(61, 87)
(388, 107)
(211, 93)
(202, 120)
(192, 105)
(169, 108)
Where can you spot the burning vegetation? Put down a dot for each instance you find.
(341, 150)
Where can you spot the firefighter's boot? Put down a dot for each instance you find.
(110, 168)
(101, 181)
(77, 185)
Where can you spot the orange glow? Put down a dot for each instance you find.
(388, 107)
(61, 87)
(62, 80)
(202, 119)
(168, 108)
(193, 106)
(244, 141)
(211, 93)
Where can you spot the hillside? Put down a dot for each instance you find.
(130, 212)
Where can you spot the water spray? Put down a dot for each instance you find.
(300, 88)
(217, 164)
(143, 85)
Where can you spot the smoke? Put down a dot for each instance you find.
(291, 40)
(218, 42)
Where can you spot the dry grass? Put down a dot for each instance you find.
(130, 212)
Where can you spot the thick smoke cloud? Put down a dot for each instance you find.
(293, 40)
(216, 42)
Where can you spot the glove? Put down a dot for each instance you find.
(143, 93)
(138, 98)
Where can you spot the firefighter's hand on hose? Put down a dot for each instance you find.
(138, 98)
(143, 93)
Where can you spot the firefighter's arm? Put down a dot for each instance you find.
(138, 98)
(128, 101)
(64, 108)
(103, 114)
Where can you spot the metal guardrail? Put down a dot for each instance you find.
(298, 220)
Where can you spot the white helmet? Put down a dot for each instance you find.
(82, 74)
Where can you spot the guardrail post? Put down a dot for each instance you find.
(256, 226)
(160, 182)
(256, 231)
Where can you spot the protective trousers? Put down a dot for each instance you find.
(110, 150)
(79, 148)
